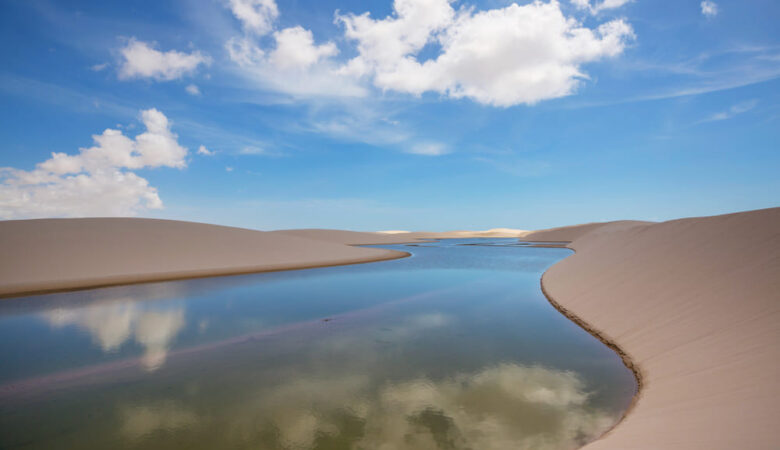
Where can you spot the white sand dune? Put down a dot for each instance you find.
(695, 303)
(493, 232)
(55, 254)
(44, 255)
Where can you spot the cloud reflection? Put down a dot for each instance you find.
(111, 325)
(140, 421)
(498, 407)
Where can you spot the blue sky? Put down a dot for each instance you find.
(423, 114)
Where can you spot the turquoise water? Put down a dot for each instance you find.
(454, 347)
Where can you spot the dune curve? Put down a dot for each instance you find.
(695, 304)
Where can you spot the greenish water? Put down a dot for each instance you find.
(452, 348)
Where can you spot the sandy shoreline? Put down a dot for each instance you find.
(50, 255)
(692, 305)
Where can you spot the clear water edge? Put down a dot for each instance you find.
(338, 370)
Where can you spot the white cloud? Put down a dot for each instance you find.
(390, 42)
(735, 110)
(428, 149)
(99, 67)
(296, 65)
(295, 49)
(255, 150)
(581, 4)
(192, 89)
(97, 180)
(141, 60)
(244, 51)
(202, 150)
(502, 57)
(709, 8)
(519, 54)
(257, 16)
(228, 169)
(252, 150)
(598, 7)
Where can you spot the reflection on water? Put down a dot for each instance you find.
(499, 407)
(454, 348)
(112, 325)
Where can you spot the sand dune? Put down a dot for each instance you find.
(56, 254)
(696, 305)
(491, 233)
(573, 232)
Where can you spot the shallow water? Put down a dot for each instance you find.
(455, 347)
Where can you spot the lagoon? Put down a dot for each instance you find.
(454, 347)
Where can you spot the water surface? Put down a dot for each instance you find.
(452, 348)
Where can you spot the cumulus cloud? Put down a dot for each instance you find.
(295, 49)
(295, 64)
(192, 89)
(709, 8)
(502, 57)
(256, 16)
(98, 180)
(142, 60)
(519, 54)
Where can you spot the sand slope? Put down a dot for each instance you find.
(54, 254)
(573, 232)
(696, 304)
(57, 254)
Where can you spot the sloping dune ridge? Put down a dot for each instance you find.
(57, 254)
(695, 304)
(44, 255)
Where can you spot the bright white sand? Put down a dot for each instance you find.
(695, 303)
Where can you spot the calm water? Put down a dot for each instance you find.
(454, 347)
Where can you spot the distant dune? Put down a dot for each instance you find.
(346, 237)
(695, 304)
(493, 232)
